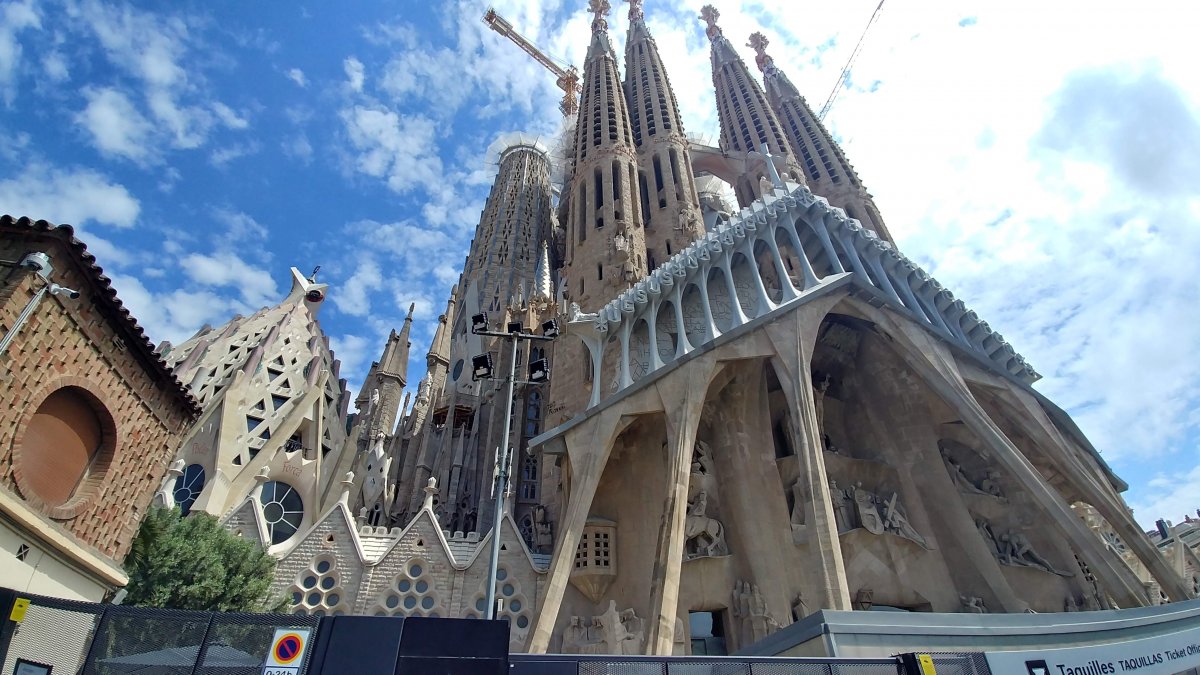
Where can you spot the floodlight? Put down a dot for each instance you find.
(515, 327)
(539, 371)
(481, 367)
(550, 329)
(479, 322)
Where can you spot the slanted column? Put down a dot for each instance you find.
(935, 364)
(785, 281)
(810, 275)
(588, 448)
(818, 226)
(683, 419)
(794, 363)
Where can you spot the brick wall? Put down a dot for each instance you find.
(75, 343)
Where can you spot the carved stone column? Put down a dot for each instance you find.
(683, 397)
(794, 339)
(937, 367)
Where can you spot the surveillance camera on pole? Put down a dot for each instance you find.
(38, 263)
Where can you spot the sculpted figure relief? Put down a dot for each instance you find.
(865, 509)
(972, 604)
(612, 632)
(896, 522)
(704, 535)
(1016, 550)
(750, 607)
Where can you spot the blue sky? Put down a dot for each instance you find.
(1042, 163)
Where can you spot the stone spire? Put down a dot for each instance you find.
(670, 205)
(606, 249)
(515, 222)
(828, 171)
(543, 286)
(747, 121)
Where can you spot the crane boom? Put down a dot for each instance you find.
(568, 78)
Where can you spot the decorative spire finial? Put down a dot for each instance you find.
(411, 306)
(635, 10)
(710, 15)
(600, 8)
(758, 42)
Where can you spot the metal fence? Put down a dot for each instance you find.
(83, 638)
(98, 639)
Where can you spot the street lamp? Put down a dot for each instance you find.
(483, 368)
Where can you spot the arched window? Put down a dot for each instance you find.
(63, 443)
(283, 509)
(188, 486)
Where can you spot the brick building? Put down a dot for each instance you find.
(90, 416)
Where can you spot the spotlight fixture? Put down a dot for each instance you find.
(539, 371)
(515, 327)
(481, 367)
(479, 322)
(550, 329)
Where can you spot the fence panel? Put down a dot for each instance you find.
(55, 633)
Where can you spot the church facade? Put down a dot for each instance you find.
(754, 413)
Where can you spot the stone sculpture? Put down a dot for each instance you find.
(865, 510)
(959, 476)
(797, 514)
(841, 509)
(750, 608)
(1016, 550)
(1070, 605)
(704, 536)
(972, 604)
(799, 608)
(991, 484)
(896, 522)
(543, 537)
(612, 632)
(819, 388)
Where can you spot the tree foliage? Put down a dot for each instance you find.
(194, 563)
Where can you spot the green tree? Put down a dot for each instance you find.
(194, 563)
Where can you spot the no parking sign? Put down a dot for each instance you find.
(287, 652)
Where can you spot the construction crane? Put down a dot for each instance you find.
(842, 76)
(568, 78)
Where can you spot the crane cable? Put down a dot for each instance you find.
(841, 80)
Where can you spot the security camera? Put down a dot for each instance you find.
(38, 262)
(71, 293)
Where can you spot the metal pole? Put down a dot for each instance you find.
(24, 316)
(501, 480)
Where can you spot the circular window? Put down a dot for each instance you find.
(427, 602)
(522, 621)
(314, 598)
(310, 581)
(188, 486)
(392, 602)
(422, 586)
(323, 566)
(410, 602)
(414, 571)
(508, 589)
(481, 604)
(333, 599)
(68, 441)
(328, 583)
(457, 370)
(283, 509)
(515, 605)
(501, 574)
(297, 597)
(404, 585)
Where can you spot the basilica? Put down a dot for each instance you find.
(756, 410)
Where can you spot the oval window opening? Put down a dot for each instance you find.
(62, 444)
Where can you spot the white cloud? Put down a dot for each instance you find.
(298, 147)
(296, 75)
(228, 117)
(240, 227)
(225, 269)
(355, 73)
(398, 148)
(174, 315)
(117, 128)
(55, 67)
(68, 195)
(15, 17)
(222, 156)
(353, 296)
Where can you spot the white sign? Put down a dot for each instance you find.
(287, 652)
(1161, 655)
